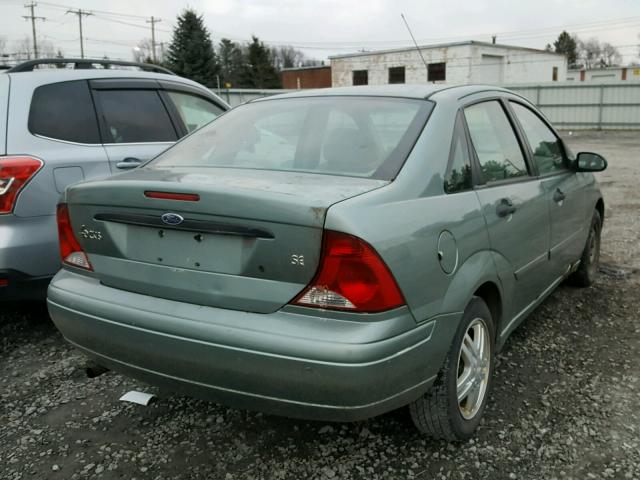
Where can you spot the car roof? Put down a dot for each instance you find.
(426, 91)
(52, 75)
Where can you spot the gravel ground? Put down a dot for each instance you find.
(565, 402)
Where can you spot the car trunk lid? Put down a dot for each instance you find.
(250, 242)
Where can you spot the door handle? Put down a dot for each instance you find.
(558, 196)
(129, 162)
(505, 208)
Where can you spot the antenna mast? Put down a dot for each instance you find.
(414, 42)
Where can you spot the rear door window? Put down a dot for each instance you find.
(545, 146)
(194, 111)
(458, 176)
(495, 142)
(134, 116)
(64, 111)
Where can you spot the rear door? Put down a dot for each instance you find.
(565, 196)
(512, 199)
(135, 123)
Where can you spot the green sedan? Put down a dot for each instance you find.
(332, 254)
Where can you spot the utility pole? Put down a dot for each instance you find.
(33, 19)
(153, 22)
(80, 13)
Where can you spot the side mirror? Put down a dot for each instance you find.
(590, 162)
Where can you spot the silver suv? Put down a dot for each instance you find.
(59, 126)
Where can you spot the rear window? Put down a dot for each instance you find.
(367, 137)
(64, 111)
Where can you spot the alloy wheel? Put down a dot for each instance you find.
(474, 366)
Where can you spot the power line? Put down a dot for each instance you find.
(129, 15)
(511, 34)
(113, 20)
(33, 19)
(80, 13)
(590, 26)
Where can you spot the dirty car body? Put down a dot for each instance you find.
(225, 267)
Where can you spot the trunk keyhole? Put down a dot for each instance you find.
(198, 237)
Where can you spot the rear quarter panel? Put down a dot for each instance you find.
(404, 220)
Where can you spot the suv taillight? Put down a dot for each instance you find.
(70, 250)
(15, 172)
(352, 277)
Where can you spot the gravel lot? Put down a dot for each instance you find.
(565, 402)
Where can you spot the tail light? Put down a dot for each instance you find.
(70, 250)
(15, 172)
(351, 277)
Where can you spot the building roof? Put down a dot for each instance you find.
(309, 67)
(443, 45)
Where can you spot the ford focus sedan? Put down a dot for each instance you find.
(332, 254)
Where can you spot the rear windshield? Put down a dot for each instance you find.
(353, 136)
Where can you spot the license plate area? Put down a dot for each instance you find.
(188, 249)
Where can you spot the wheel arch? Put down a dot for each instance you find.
(490, 293)
(476, 277)
(600, 209)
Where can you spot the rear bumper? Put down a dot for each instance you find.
(29, 245)
(18, 286)
(287, 363)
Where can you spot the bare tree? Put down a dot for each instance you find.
(593, 54)
(143, 51)
(287, 56)
(46, 49)
(589, 52)
(610, 55)
(23, 48)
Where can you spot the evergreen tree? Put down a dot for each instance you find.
(231, 62)
(191, 52)
(567, 45)
(259, 71)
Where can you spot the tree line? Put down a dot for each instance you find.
(586, 54)
(229, 64)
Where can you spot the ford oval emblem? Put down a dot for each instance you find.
(172, 219)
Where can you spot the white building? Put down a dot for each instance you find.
(606, 74)
(461, 62)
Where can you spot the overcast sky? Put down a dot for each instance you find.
(326, 27)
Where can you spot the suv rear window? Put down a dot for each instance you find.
(64, 111)
(367, 137)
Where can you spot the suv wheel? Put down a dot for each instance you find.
(587, 271)
(453, 407)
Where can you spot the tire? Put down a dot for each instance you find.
(587, 271)
(438, 413)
